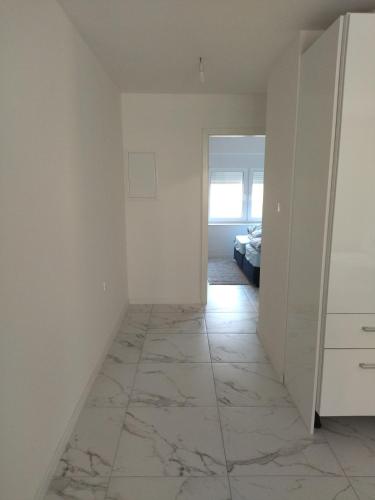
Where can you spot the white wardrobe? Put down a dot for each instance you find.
(330, 340)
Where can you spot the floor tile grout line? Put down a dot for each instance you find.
(127, 314)
(218, 409)
(235, 362)
(129, 403)
(149, 363)
(232, 475)
(349, 478)
(252, 475)
(248, 313)
(220, 424)
(139, 362)
(147, 334)
(173, 363)
(265, 407)
(339, 462)
(352, 487)
(123, 408)
(124, 416)
(115, 452)
(157, 362)
(152, 331)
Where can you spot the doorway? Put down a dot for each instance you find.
(233, 173)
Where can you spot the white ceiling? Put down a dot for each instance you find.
(155, 45)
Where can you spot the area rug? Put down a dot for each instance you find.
(225, 272)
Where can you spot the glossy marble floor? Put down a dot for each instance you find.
(187, 407)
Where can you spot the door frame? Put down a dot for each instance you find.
(206, 133)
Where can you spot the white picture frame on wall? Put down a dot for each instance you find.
(142, 176)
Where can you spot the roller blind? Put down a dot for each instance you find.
(256, 198)
(226, 195)
(222, 177)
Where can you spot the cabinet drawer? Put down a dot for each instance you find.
(350, 331)
(346, 387)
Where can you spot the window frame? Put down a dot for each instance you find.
(252, 171)
(248, 175)
(245, 184)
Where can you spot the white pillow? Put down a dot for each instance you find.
(257, 233)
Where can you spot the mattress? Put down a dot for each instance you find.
(240, 243)
(252, 255)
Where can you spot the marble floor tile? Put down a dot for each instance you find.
(245, 306)
(67, 488)
(177, 308)
(139, 308)
(91, 448)
(364, 487)
(254, 306)
(353, 442)
(231, 322)
(126, 348)
(291, 488)
(169, 348)
(224, 298)
(166, 384)
(168, 488)
(262, 441)
(236, 348)
(135, 322)
(188, 322)
(170, 442)
(249, 384)
(226, 292)
(252, 292)
(113, 385)
(255, 300)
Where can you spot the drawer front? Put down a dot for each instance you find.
(348, 381)
(350, 331)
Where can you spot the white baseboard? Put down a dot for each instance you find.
(42, 490)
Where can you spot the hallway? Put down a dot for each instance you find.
(183, 409)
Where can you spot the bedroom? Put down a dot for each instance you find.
(235, 203)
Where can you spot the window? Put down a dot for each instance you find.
(226, 195)
(235, 195)
(256, 198)
(236, 165)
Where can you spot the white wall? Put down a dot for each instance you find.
(164, 235)
(282, 99)
(221, 239)
(61, 232)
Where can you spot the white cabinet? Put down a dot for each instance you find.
(351, 286)
(350, 331)
(347, 382)
(330, 348)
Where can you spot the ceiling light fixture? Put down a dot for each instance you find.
(202, 77)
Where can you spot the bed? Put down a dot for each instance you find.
(247, 252)
(240, 243)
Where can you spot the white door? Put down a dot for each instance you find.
(352, 267)
(320, 66)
